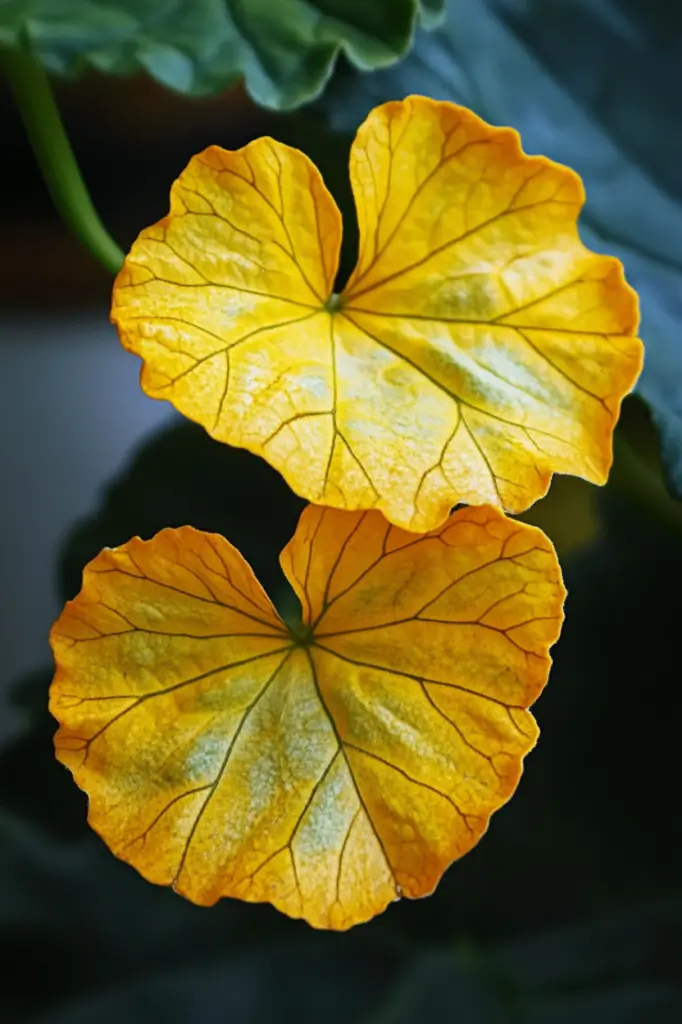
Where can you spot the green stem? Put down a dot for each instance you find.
(55, 157)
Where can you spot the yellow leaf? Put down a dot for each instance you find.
(329, 770)
(477, 348)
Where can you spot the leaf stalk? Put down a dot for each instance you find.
(49, 141)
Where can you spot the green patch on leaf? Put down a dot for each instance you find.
(284, 49)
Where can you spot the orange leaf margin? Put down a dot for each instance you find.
(477, 348)
(329, 770)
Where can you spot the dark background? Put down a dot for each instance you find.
(570, 909)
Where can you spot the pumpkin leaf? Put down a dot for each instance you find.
(328, 769)
(285, 51)
(477, 347)
(594, 86)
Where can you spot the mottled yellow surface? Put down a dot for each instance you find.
(331, 774)
(477, 348)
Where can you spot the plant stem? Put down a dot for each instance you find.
(48, 138)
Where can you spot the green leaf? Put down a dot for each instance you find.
(617, 969)
(108, 947)
(284, 49)
(432, 13)
(595, 86)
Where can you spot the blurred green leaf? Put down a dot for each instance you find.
(644, 941)
(431, 12)
(618, 969)
(280, 983)
(107, 946)
(284, 49)
(446, 985)
(625, 1004)
(179, 476)
(595, 86)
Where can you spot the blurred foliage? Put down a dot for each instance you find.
(594, 86)
(618, 969)
(285, 50)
